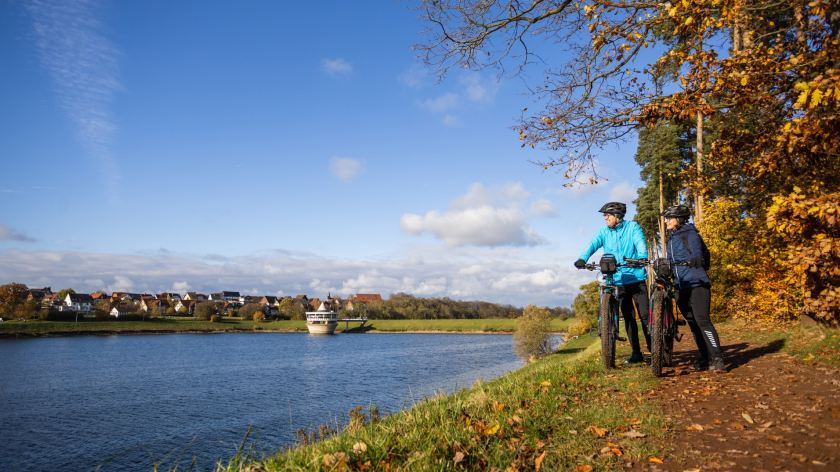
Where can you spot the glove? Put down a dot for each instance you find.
(580, 263)
(696, 262)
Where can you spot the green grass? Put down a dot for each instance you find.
(541, 412)
(41, 328)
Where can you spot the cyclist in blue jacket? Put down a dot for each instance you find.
(624, 239)
(691, 286)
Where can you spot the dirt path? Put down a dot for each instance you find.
(768, 413)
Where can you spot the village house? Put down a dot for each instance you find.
(189, 305)
(38, 294)
(80, 302)
(366, 297)
(120, 310)
(99, 296)
(159, 305)
(168, 296)
(195, 296)
(271, 305)
(225, 296)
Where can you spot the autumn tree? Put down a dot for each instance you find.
(62, 294)
(11, 296)
(532, 338)
(248, 311)
(205, 310)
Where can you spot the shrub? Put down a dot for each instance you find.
(205, 310)
(586, 302)
(248, 311)
(101, 315)
(215, 318)
(532, 338)
(580, 327)
(259, 316)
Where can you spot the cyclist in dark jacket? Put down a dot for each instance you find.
(692, 287)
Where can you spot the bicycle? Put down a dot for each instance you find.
(608, 309)
(662, 324)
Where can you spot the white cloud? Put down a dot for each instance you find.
(83, 66)
(9, 234)
(416, 76)
(180, 287)
(336, 67)
(543, 207)
(450, 120)
(121, 284)
(623, 192)
(346, 169)
(479, 89)
(485, 216)
(441, 104)
(502, 275)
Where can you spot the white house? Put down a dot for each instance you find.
(120, 310)
(77, 302)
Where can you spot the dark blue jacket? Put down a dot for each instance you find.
(684, 276)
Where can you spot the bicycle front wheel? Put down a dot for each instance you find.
(607, 330)
(657, 333)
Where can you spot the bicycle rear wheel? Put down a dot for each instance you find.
(607, 330)
(657, 333)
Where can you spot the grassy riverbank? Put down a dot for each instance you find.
(560, 413)
(188, 325)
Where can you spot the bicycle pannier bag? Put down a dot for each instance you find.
(608, 264)
(662, 269)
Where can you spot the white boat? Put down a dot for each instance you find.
(322, 321)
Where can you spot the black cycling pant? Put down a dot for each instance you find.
(694, 305)
(629, 295)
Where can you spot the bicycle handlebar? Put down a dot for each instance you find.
(633, 263)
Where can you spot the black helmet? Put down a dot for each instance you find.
(677, 211)
(614, 208)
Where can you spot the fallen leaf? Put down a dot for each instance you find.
(717, 421)
(459, 457)
(572, 431)
(633, 434)
(583, 468)
(516, 418)
(616, 451)
(493, 429)
(359, 448)
(541, 444)
(539, 460)
(748, 418)
(767, 424)
(691, 470)
(635, 422)
(600, 432)
(655, 460)
(695, 427)
(497, 407)
(738, 426)
(545, 383)
(334, 459)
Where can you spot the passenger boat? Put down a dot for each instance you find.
(322, 321)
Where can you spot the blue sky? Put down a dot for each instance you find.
(273, 148)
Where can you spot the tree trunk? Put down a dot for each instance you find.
(698, 209)
(736, 39)
(661, 220)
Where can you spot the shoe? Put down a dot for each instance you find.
(635, 358)
(718, 366)
(699, 366)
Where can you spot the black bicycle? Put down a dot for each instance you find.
(662, 324)
(608, 308)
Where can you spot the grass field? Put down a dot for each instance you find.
(161, 326)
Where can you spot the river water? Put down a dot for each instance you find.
(75, 403)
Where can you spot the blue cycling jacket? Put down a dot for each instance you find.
(626, 240)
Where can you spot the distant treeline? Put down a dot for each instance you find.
(403, 306)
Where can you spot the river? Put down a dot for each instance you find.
(75, 403)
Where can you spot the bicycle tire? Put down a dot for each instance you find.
(670, 332)
(657, 334)
(607, 331)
